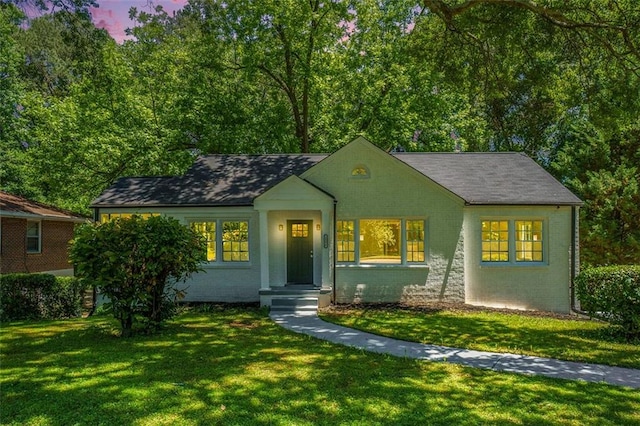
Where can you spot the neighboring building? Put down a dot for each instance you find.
(364, 225)
(34, 236)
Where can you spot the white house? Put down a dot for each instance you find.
(364, 225)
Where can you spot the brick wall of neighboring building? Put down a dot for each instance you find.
(55, 237)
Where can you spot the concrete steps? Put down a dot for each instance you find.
(294, 305)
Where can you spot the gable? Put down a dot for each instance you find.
(367, 181)
(295, 194)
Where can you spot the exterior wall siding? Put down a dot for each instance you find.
(53, 256)
(394, 190)
(544, 286)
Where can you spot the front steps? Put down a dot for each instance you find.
(298, 305)
(295, 299)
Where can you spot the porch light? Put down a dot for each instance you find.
(280, 227)
(317, 226)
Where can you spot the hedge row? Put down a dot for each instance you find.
(612, 293)
(40, 296)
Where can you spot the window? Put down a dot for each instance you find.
(495, 241)
(34, 229)
(380, 241)
(528, 241)
(346, 245)
(516, 241)
(415, 240)
(360, 172)
(235, 241)
(208, 231)
(299, 230)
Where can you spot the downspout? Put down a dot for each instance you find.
(335, 254)
(572, 288)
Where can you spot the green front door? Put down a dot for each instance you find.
(299, 252)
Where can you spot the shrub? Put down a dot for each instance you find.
(612, 293)
(40, 296)
(136, 263)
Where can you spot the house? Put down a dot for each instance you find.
(34, 236)
(365, 225)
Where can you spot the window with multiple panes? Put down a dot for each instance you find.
(299, 230)
(415, 240)
(495, 241)
(528, 240)
(345, 241)
(208, 231)
(512, 240)
(227, 241)
(235, 241)
(34, 234)
(380, 241)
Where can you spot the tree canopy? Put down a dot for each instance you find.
(556, 80)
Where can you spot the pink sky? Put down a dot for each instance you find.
(113, 15)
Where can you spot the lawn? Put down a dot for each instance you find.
(236, 367)
(561, 337)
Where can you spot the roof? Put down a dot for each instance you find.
(213, 180)
(491, 178)
(236, 180)
(16, 206)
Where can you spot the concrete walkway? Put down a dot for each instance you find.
(311, 325)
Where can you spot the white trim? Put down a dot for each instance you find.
(39, 222)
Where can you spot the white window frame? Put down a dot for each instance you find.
(219, 242)
(39, 236)
(403, 242)
(512, 242)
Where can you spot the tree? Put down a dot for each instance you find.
(604, 171)
(136, 263)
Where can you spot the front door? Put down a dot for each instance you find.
(299, 252)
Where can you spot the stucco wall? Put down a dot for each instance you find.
(394, 190)
(523, 285)
(55, 237)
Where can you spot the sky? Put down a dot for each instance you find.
(113, 15)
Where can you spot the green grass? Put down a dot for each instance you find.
(235, 367)
(561, 338)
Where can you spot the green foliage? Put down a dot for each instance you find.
(613, 294)
(236, 367)
(40, 296)
(604, 171)
(137, 263)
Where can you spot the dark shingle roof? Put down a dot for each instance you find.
(235, 180)
(491, 178)
(214, 180)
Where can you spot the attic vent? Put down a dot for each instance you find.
(360, 172)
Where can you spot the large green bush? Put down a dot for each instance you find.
(612, 293)
(136, 264)
(40, 296)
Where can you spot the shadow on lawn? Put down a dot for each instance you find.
(237, 367)
(574, 340)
